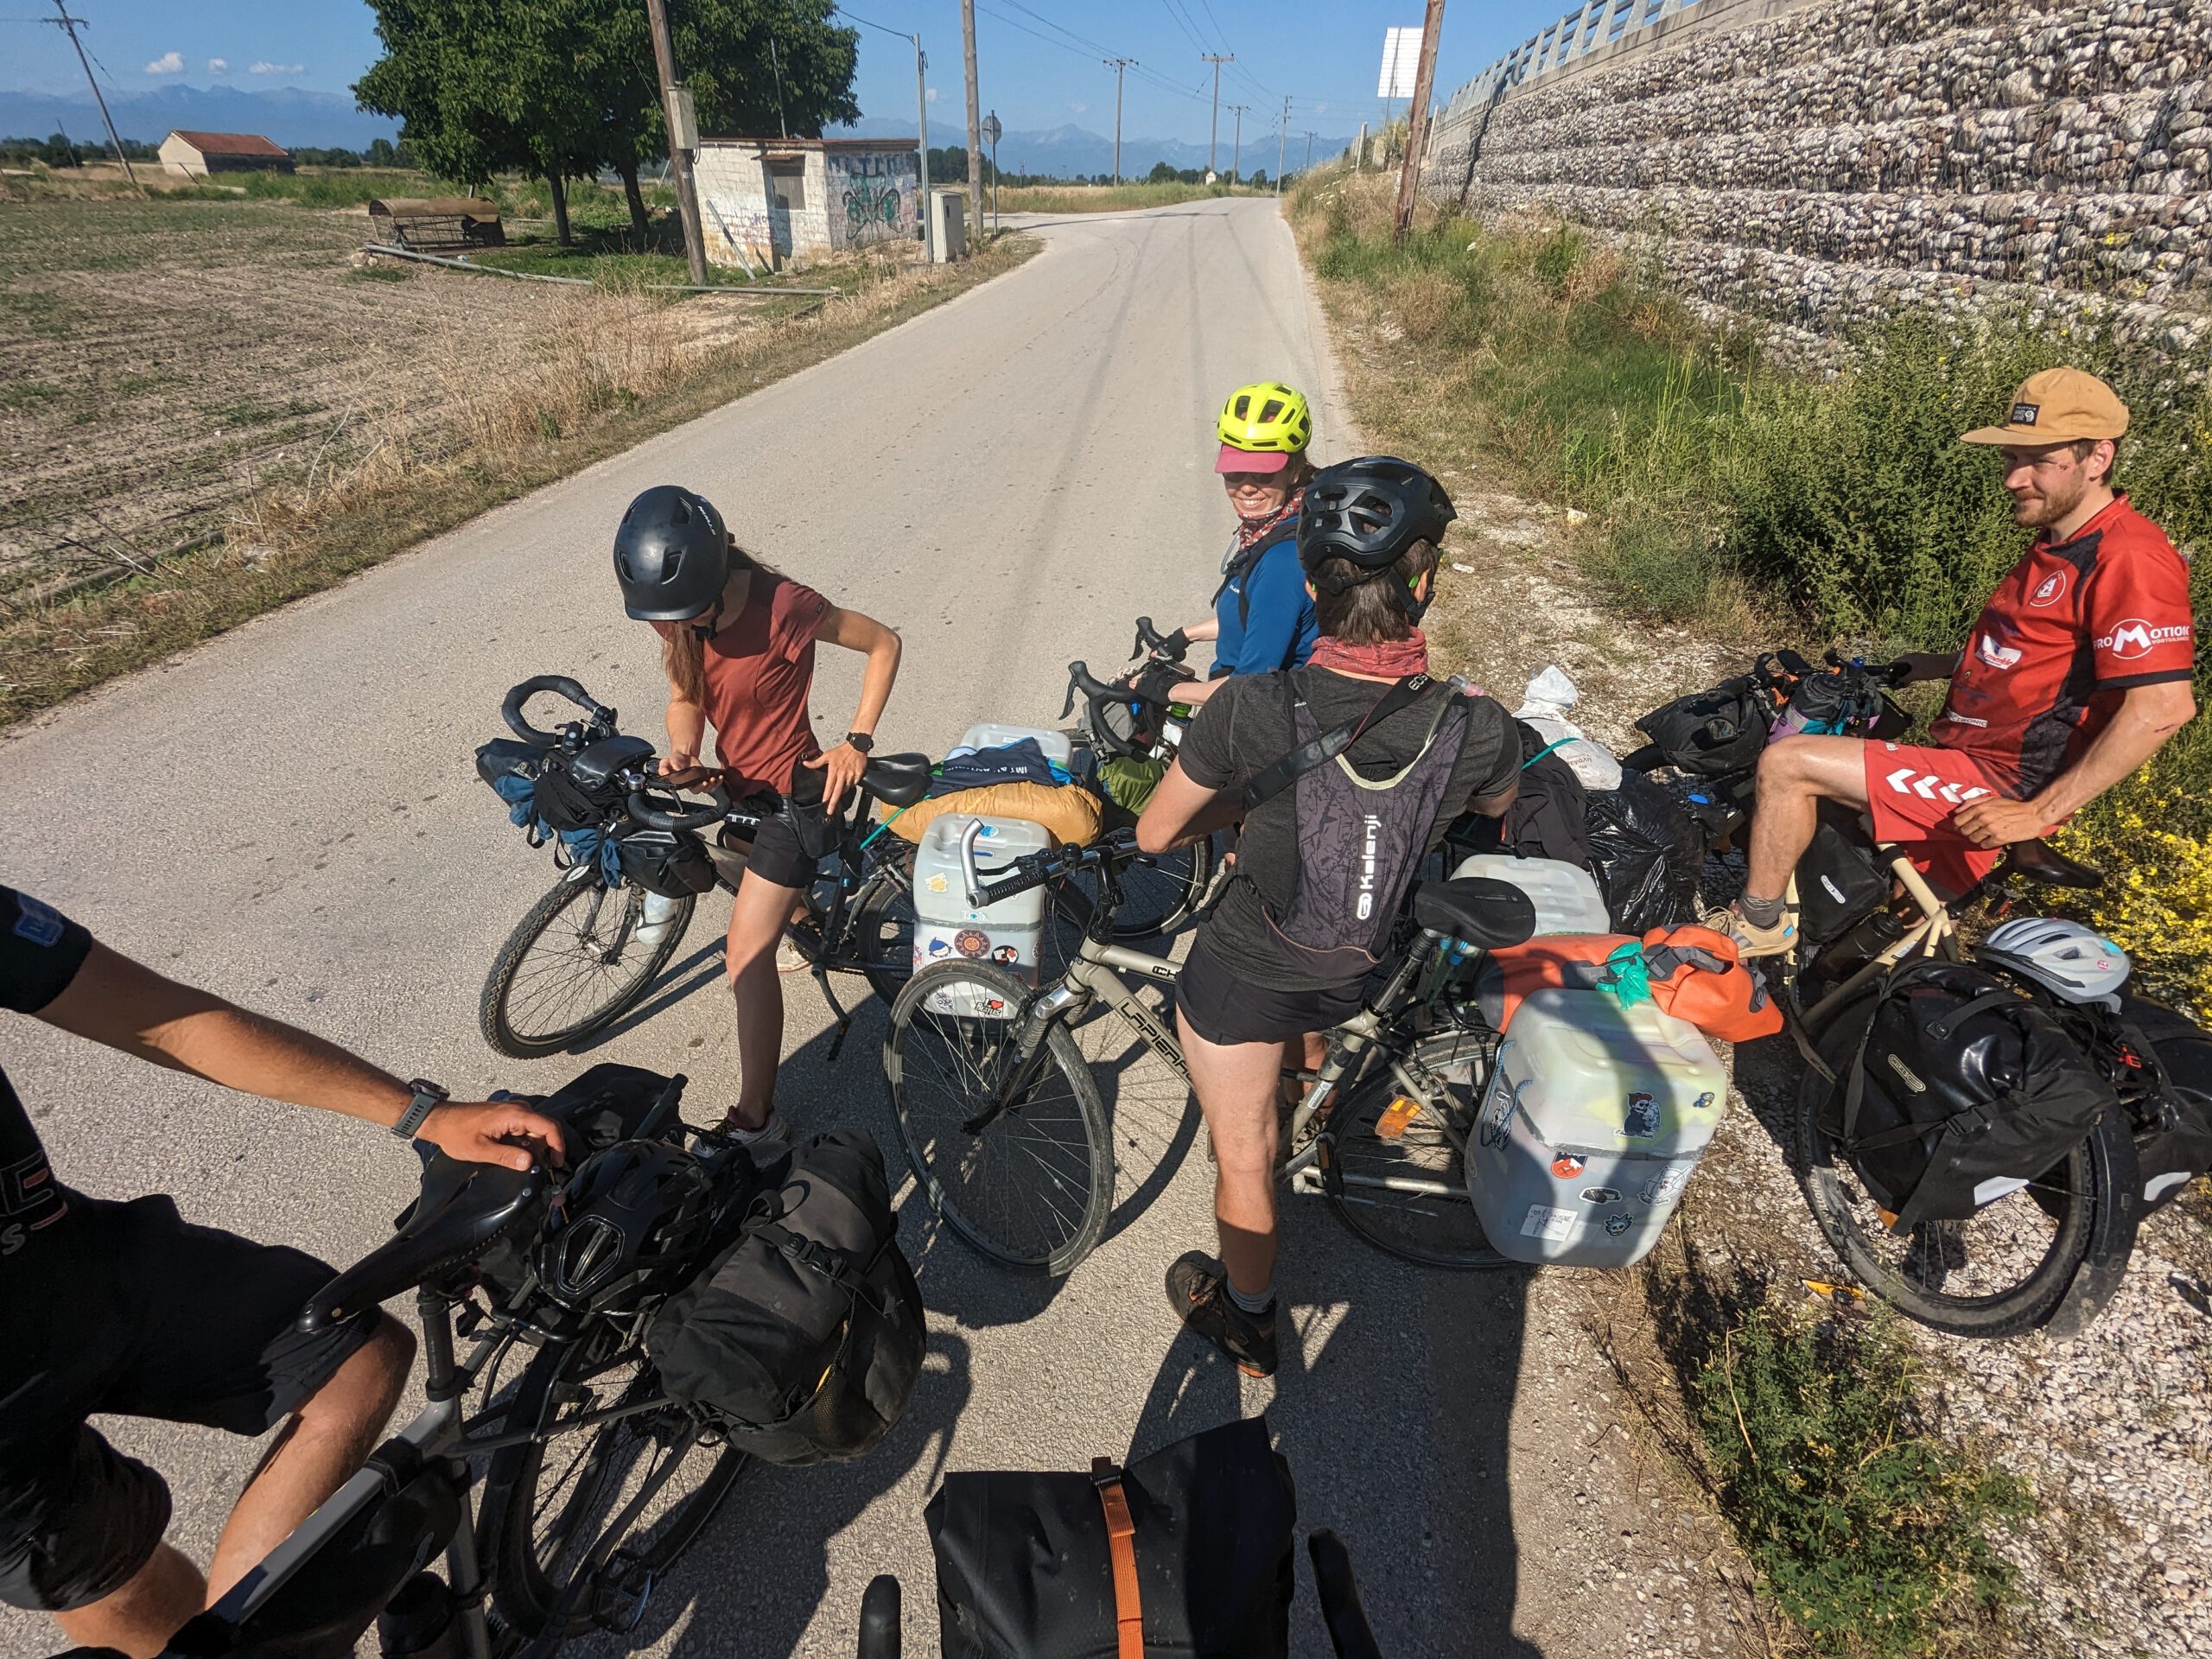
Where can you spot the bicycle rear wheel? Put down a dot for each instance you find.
(1399, 1175)
(2007, 1269)
(1031, 1188)
(574, 964)
(569, 1546)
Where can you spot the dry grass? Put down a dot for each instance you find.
(1110, 198)
(515, 386)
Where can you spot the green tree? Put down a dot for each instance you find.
(1162, 173)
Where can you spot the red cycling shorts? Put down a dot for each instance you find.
(1911, 794)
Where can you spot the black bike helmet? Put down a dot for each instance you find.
(671, 556)
(637, 1208)
(1367, 512)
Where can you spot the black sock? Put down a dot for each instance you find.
(1759, 912)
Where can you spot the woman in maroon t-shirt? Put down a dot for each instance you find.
(737, 640)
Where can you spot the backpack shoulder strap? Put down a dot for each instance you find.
(1319, 751)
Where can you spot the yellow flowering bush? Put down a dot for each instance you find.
(2157, 901)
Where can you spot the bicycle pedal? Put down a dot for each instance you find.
(1399, 1112)
(621, 1592)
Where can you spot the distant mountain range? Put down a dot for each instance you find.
(1071, 150)
(292, 117)
(322, 120)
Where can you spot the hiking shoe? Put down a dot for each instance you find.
(1752, 939)
(1198, 1292)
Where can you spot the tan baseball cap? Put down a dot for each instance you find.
(2057, 406)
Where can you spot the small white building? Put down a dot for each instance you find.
(195, 155)
(776, 202)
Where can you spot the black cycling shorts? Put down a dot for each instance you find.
(776, 857)
(1227, 1010)
(198, 1328)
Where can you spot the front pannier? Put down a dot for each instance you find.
(805, 1336)
(1713, 732)
(673, 863)
(1963, 1089)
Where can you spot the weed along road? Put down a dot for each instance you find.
(290, 815)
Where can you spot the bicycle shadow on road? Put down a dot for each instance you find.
(695, 972)
(1393, 1408)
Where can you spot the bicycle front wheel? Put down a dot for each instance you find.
(2006, 1268)
(582, 959)
(1028, 1184)
(1399, 1176)
(578, 1522)
(1158, 896)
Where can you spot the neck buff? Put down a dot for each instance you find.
(1248, 531)
(1389, 659)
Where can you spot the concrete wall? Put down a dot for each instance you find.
(1809, 167)
(851, 197)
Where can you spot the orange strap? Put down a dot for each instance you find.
(1121, 1548)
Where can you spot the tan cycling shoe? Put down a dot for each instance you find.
(1752, 939)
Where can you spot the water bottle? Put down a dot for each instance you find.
(659, 918)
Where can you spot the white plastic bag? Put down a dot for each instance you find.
(1548, 698)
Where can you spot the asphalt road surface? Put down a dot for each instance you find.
(289, 815)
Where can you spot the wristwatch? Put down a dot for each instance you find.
(427, 1099)
(861, 740)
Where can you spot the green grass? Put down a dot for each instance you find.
(1877, 1537)
(1109, 198)
(26, 394)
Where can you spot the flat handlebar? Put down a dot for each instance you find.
(561, 686)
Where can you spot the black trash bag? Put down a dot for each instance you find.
(1964, 1089)
(1646, 855)
(805, 1337)
(1023, 1565)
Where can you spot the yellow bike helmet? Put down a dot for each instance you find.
(1262, 427)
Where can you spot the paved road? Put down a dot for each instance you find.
(289, 815)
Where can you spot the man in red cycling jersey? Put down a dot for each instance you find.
(2077, 671)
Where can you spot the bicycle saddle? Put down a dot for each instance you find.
(901, 779)
(1476, 911)
(2038, 861)
(462, 1211)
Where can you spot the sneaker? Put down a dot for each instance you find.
(790, 959)
(774, 1133)
(1198, 1292)
(1752, 939)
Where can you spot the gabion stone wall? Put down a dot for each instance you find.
(1825, 167)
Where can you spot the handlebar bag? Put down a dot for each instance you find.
(1962, 1090)
(805, 1337)
(1840, 880)
(1025, 1565)
(581, 792)
(673, 863)
(1709, 733)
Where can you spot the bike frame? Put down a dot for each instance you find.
(1935, 934)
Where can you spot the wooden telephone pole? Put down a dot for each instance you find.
(975, 122)
(69, 26)
(676, 114)
(1432, 30)
(1118, 64)
(1213, 133)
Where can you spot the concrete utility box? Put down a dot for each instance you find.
(774, 201)
(949, 224)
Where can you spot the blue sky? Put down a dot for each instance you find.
(1324, 53)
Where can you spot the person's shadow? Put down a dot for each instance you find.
(1393, 1406)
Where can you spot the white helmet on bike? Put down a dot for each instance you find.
(2066, 958)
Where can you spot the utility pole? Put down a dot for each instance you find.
(1118, 64)
(675, 112)
(1282, 137)
(776, 68)
(1237, 154)
(922, 121)
(69, 26)
(1432, 30)
(1213, 134)
(974, 118)
(1309, 154)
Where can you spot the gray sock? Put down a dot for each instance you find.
(1252, 1304)
(1759, 912)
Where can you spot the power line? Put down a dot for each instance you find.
(1183, 24)
(1087, 44)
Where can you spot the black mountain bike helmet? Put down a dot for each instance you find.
(633, 1211)
(671, 556)
(1367, 512)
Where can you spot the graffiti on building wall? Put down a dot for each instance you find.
(875, 192)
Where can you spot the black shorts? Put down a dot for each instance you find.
(1226, 1010)
(776, 857)
(197, 1328)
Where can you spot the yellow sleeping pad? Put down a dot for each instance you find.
(1069, 813)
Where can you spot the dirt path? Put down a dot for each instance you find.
(2112, 1429)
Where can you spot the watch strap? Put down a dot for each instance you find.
(864, 742)
(427, 1098)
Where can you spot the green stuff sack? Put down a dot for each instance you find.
(1128, 782)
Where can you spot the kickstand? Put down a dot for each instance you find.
(844, 1019)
